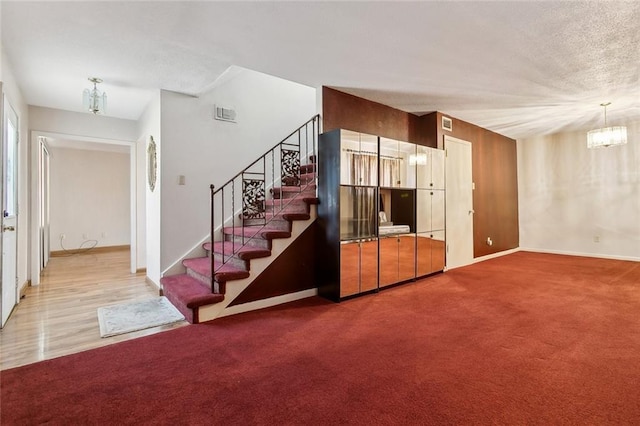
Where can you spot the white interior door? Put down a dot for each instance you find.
(9, 212)
(459, 202)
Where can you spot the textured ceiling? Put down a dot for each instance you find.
(518, 68)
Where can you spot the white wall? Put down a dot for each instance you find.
(149, 125)
(207, 151)
(568, 195)
(12, 93)
(89, 198)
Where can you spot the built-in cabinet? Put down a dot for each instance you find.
(381, 212)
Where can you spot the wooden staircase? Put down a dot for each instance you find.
(242, 251)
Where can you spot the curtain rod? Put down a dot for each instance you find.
(372, 154)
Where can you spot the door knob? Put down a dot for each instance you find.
(8, 228)
(472, 211)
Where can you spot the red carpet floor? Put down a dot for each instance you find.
(524, 339)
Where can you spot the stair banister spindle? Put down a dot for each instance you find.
(223, 237)
(273, 181)
(264, 186)
(213, 227)
(299, 157)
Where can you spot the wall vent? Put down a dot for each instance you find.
(447, 124)
(224, 113)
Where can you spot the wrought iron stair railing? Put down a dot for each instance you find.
(242, 201)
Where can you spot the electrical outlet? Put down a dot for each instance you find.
(84, 236)
(596, 239)
(62, 236)
(104, 235)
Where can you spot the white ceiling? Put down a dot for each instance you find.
(518, 68)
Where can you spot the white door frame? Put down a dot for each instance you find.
(11, 223)
(36, 198)
(43, 182)
(464, 250)
(1, 174)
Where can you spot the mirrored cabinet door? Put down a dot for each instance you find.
(389, 163)
(358, 267)
(437, 168)
(423, 167)
(349, 268)
(358, 212)
(408, 159)
(406, 257)
(368, 265)
(438, 251)
(437, 209)
(423, 253)
(423, 210)
(359, 159)
(388, 261)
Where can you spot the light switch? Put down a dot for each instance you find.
(181, 180)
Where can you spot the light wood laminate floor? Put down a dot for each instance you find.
(59, 317)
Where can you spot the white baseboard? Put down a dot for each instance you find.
(575, 253)
(266, 303)
(483, 258)
(494, 255)
(151, 282)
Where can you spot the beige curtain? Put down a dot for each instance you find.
(389, 171)
(363, 169)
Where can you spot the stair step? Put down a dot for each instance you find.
(308, 168)
(244, 253)
(200, 268)
(307, 178)
(187, 294)
(257, 232)
(242, 258)
(290, 205)
(287, 192)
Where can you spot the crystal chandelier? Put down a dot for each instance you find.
(94, 100)
(607, 136)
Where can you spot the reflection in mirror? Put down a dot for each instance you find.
(358, 215)
(349, 268)
(408, 164)
(406, 257)
(423, 166)
(437, 251)
(437, 168)
(359, 159)
(389, 163)
(437, 209)
(423, 253)
(368, 265)
(388, 260)
(423, 210)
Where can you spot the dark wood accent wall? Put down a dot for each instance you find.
(495, 198)
(292, 271)
(344, 111)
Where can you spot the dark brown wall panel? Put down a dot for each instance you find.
(292, 271)
(495, 198)
(344, 111)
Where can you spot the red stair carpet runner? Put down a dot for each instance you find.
(192, 290)
(525, 339)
